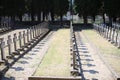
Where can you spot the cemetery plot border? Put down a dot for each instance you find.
(20, 44)
(112, 34)
(75, 70)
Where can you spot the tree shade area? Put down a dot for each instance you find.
(39, 8)
(98, 7)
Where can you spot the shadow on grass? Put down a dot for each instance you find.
(83, 54)
(79, 27)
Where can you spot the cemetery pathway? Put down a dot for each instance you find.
(93, 68)
(26, 66)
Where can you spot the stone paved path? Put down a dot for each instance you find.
(93, 67)
(27, 65)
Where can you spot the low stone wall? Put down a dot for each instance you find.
(66, 22)
(53, 78)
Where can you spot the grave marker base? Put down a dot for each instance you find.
(10, 57)
(53, 78)
(74, 72)
(21, 49)
(16, 53)
(2, 62)
(118, 47)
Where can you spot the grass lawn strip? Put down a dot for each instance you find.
(111, 53)
(57, 60)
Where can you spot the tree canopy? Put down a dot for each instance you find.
(33, 8)
(87, 8)
(93, 7)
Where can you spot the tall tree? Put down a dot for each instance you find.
(61, 7)
(111, 8)
(14, 7)
(87, 8)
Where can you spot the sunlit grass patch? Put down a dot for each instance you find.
(110, 52)
(57, 60)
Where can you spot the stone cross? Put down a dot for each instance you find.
(2, 46)
(24, 37)
(9, 41)
(105, 29)
(20, 39)
(113, 33)
(15, 41)
(107, 32)
(116, 39)
(37, 30)
(110, 33)
(40, 30)
(30, 33)
(27, 35)
(33, 29)
(74, 55)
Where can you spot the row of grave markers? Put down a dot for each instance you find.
(5, 26)
(112, 34)
(21, 42)
(73, 51)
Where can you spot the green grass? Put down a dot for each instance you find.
(57, 60)
(109, 51)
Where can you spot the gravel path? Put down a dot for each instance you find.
(93, 68)
(27, 65)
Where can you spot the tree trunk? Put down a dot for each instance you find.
(43, 16)
(32, 16)
(85, 19)
(0, 21)
(20, 18)
(52, 16)
(93, 18)
(114, 19)
(39, 17)
(103, 18)
(61, 20)
(110, 21)
(46, 17)
(13, 22)
(29, 16)
(13, 18)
